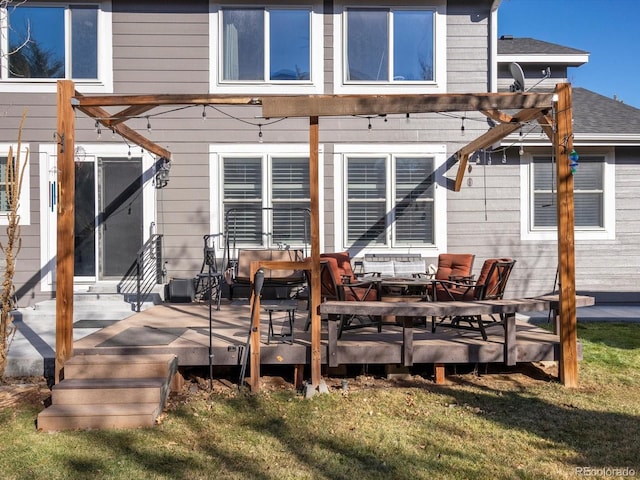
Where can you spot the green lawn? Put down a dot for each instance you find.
(503, 425)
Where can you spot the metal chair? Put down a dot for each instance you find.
(209, 280)
(490, 285)
(339, 282)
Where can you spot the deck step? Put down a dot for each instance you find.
(120, 366)
(75, 417)
(109, 391)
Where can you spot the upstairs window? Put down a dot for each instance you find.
(384, 45)
(45, 43)
(391, 48)
(260, 45)
(267, 49)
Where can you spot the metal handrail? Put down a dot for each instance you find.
(146, 272)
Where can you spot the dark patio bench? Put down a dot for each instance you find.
(332, 310)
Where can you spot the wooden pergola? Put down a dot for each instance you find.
(529, 107)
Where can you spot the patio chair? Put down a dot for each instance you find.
(490, 285)
(209, 280)
(339, 282)
(455, 267)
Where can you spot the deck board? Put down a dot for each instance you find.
(183, 330)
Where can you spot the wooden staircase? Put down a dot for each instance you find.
(109, 391)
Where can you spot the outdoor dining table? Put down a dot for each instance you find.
(404, 289)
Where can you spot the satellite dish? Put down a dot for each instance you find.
(518, 77)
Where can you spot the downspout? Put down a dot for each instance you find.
(493, 46)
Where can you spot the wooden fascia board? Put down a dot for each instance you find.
(345, 105)
(490, 137)
(128, 133)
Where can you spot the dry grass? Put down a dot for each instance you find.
(501, 425)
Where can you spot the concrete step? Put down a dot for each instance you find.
(74, 417)
(104, 391)
(120, 366)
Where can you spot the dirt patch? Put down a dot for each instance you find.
(23, 391)
(497, 377)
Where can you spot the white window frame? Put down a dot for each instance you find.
(314, 85)
(438, 85)
(48, 206)
(439, 154)
(607, 232)
(104, 82)
(217, 152)
(24, 206)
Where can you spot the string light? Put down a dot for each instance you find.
(148, 125)
(521, 150)
(504, 156)
(260, 140)
(462, 126)
(408, 118)
(204, 113)
(369, 126)
(98, 130)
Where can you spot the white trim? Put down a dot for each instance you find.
(439, 85)
(579, 140)
(608, 232)
(216, 151)
(48, 213)
(104, 83)
(439, 154)
(24, 205)
(313, 86)
(571, 60)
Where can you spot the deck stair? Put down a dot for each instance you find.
(109, 391)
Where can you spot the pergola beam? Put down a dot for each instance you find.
(128, 133)
(492, 136)
(159, 100)
(344, 105)
(127, 113)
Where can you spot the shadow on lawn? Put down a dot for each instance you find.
(600, 439)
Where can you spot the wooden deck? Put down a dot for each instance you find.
(183, 330)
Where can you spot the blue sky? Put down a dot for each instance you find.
(608, 29)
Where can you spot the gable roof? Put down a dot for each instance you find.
(508, 45)
(530, 50)
(595, 114)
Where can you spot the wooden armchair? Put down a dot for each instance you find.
(490, 285)
(338, 282)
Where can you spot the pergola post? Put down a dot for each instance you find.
(314, 303)
(65, 137)
(563, 144)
